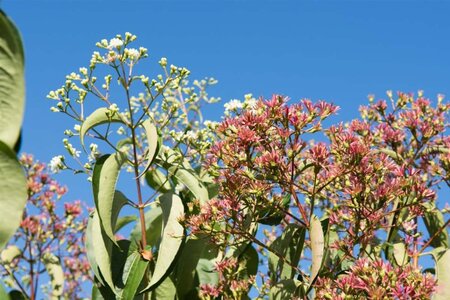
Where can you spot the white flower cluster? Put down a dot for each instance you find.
(232, 106)
(56, 164)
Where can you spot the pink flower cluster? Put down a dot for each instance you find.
(47, 228)
(377, 280)
(367, 177)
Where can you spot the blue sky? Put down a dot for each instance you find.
(339, 51)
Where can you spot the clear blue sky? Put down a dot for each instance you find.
(339, 51)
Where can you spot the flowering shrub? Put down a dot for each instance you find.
(47, 252)
(357, 198)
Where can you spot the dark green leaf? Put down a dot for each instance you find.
(289, 245)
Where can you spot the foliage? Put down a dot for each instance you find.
(370, 186)
(47, 252)
(12, 98)
(158, 139)
(269, 203)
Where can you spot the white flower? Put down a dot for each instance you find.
(115, 43)
(233, 105)
(56, 164)
(133, 53)
(77, 127)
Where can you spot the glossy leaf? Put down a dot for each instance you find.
(442, 258)
(98, 117)
(172, 238)
(107, 200)
(290, 246)
(154, 143)
(56, 273)
(13, 193)
(133, 272)
(12, 82)
(317, 246)
(434, 221)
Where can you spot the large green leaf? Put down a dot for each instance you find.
(12, 82)
(13, 193)
(56, 273)
(206, 267)
(289, 246)
(172, 238)
(317, 246)
(100, 116)
(284, 290)
(133, 272)
(99, 251)
(107, 200)
(434, 221)
(154, 141)
(442, 259)
(165, 291)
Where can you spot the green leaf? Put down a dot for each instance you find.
(154, 143)
(400, 254)
(184, 173)
(434, 221)
(317, 246)
(9, 254)
(206, 267)
(133, 272)
(284, 290)
(289, 245)
(13, 193)
(99, 251)
(12, 82)
(173, 234)
(56, 273)
(107, 200)
(3, 294)
(165, 291)
(158, 181)
(442, 259)
(17, 295)
(250, 255)
(98, 117)
(188, 178)
(153, 224)
(124, 221)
